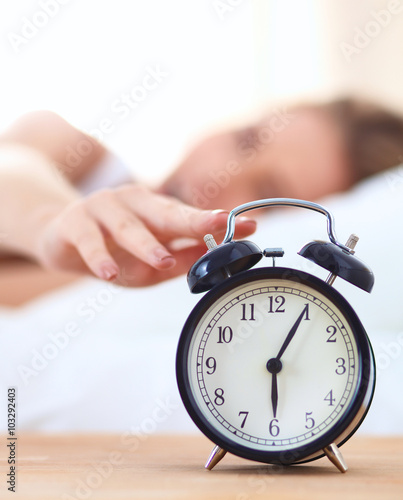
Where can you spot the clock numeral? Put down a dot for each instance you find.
(212, 364)
(252, 312)
(307, 312)
(279, 300)
(310, 422)
(341, 366)
(329, 397)
(219, 397)
(332, 330)
(224, 335)
(246, 413)
(273, 428)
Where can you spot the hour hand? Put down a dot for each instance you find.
(274, 394)
(274, 366)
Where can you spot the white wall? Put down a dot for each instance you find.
(90, 52)
(318, 49)
(224, 60)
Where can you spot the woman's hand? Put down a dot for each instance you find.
(130, 235)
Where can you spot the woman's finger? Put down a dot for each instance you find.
(146, 275)
(85, 235)
(128, 231)
(169, 218)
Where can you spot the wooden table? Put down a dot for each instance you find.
(171, 467)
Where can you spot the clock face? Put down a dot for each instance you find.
(273, 362)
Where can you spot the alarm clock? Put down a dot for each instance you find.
(273, 364)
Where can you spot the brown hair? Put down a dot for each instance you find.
(373, 134)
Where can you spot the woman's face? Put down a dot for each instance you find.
(295, 155)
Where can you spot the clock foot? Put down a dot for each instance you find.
(334, 455)
(215, 456)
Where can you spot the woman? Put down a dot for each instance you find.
(92, 356)
(308, 152)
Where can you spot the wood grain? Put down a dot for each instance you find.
(118, 467)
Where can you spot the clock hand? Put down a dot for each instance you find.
(291, 333)
(274, 393)
(274, 365)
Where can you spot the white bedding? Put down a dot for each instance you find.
(113, 367)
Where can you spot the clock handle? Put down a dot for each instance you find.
(280, 202)
(231, 257)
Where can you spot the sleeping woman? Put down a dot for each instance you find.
(70, 209)
(67, 205)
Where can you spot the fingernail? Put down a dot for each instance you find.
(247, 219)
(219, 211)
(218, 223)
(109, 272)
(164, 258)
(162, 254)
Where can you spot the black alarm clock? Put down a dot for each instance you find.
(273, 364)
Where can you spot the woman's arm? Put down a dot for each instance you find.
(128, 230)
(30, 190)
(74, 153)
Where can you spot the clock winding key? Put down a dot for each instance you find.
(351, 244)
(210, 241)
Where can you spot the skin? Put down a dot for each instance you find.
(301, 156)
(131, 231)
(128, 235)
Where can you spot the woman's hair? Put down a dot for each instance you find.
(373, 135)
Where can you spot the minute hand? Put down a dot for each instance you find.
(291, 333)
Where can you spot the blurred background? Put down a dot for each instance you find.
(212, 63)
